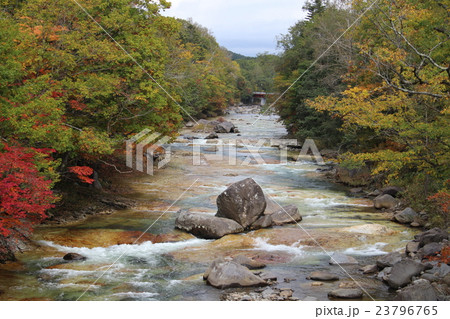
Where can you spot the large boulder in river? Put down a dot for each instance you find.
(227, 274)
(262, 222)
(385, 201)
(243, 202)
(271, 206)
(434, 235)
(402, 273)
(287, 215)
(224, 127)
(406, 216)
(206, 226)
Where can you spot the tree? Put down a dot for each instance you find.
(400, 90)
(25, 194)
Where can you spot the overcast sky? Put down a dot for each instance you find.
(243, 26)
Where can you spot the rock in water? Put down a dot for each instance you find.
(224, 127)
(369, 269)
(271, 207)
(243, 202)
(288, 214)
(74, 256)
(206, 226)
(406, 216)
(341, 259)
(385, 201)
(323, 276)
(262, 222)
(402, 272)
(343, 293)
(419, 290)
(248, 262)
(228, 274)
(212, 136)
(389, 260)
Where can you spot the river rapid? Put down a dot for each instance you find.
(166, 264)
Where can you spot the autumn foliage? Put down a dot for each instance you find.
(25, 194)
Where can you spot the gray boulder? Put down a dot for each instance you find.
(389, 260)
(342, 259)
(323, 276)
(229, 274)
(412, 247)
(212, 136)
(206, 226)
(248, 262)
(385, 201)
(369, 269)
(391, 190)
(286, 215)
(224, 127)
(434, 235)
(243, 202)
(344, 293)
(419, 290)
(406, 216)
(402, 273)
(431, 249)
(262, 222)
(271, 206)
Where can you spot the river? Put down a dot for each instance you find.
(166, 264)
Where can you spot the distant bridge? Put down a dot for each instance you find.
(260, 98)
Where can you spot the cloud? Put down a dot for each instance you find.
(243, 26)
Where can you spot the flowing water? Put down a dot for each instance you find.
(166, 264)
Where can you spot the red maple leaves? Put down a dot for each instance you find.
(82, 172)
(25, 195)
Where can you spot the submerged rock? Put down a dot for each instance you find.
(343, 293)
(243, 202)
(206, 226)
(385, 201)
(228, 274)
(74, 257)
(323, 276)
(342, 259)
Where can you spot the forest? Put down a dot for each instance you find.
(373, 85)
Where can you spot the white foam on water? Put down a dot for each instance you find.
(367, 250)
(145, 251)
(294, 249)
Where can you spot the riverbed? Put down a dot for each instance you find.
(166, 264)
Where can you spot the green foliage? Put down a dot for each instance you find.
(303, 45)
(257, 75)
